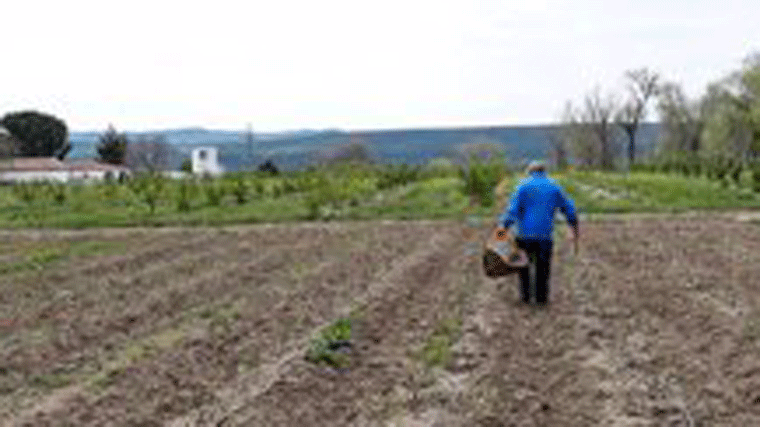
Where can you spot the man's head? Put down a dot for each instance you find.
(536, 166)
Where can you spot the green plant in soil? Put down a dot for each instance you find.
(436, 351)
(327, 346)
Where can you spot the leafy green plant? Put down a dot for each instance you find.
(327, 346)
(437, 348)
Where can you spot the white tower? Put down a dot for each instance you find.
(206, 161)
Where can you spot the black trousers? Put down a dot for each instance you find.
(540, 254)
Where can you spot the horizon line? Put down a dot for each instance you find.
(338, 129)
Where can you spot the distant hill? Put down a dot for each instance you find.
(298, 148)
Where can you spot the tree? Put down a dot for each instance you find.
(8, 144)
(40, 135)
(354, 152)
(642, 85)
(186, 166)
(683, 120)
(112, 147)
(589, 130)
(742, 92)
(149, 153)
(483, 147)
(269, 167)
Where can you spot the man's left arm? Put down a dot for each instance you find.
(567, 207)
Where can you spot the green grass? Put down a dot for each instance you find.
(653, 192)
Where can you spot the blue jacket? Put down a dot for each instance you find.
(533, 206)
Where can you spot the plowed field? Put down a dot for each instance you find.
(656, 322)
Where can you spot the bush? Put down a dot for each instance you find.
(213, 193)
(186, 166)
(183, 197)
(26, 192)
(481, 178)
(59, 193)
(240, 191)
(756, 178)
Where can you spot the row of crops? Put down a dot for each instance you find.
(720, 167)
(317, 193)
(364, 191)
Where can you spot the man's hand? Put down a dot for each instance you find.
(572, 235)
(502, 233)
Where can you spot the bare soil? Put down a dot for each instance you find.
(654, 323)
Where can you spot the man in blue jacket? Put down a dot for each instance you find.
(531, 210)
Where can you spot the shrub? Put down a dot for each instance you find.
(327, 345)
(240, 191)
(186, 166)
(27, 192)
(183, 197)
(59, 193)
(756, 178)
(481, 178)
(213, 193)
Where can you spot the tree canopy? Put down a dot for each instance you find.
(39, 134)
(112, 146)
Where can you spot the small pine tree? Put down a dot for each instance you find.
(112, 147)
(186, 166)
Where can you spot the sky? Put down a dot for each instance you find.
(285, 64)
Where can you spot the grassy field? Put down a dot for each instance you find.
(358, 192)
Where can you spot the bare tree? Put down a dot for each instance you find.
(642, 85)
(589, 130)
(149, 153)
(683, 120)
(575, 137)
(559, 147)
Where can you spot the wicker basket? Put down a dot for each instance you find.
(501, 256)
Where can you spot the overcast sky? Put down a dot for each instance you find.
(285, 64)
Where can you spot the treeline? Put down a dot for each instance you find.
(724, 123)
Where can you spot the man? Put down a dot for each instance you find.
(532, 210)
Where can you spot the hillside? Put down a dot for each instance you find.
(297, 148)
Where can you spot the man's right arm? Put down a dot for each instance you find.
(512, 212)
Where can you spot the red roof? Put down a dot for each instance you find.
(50, 164)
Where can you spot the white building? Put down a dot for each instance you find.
(41, 169)
(205, 161)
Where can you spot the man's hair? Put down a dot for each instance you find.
(536, 166)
